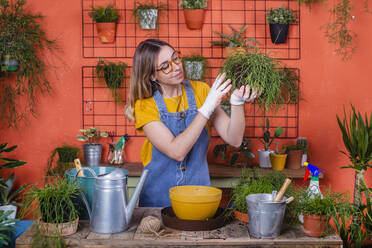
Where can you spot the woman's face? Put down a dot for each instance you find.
(168, 67)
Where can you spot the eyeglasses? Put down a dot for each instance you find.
(167, 67)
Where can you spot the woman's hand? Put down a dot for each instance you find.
(242, 95)
(216, 93)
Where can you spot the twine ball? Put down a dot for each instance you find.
(150, 224)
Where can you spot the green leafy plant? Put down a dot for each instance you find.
(104, 14)
(338, 31)
(9, 162)
(244, 149)
(23, 39)
(235, 39)
(92, 135)
(6, 227)
(266, 139)
(280, 15)
(193, 4)
(7, 197)
(113, 74)
(66, 156)
(290, 85)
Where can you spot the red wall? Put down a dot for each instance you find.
(328, 84)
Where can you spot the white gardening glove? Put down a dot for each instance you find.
(216, 93)
(242, 95)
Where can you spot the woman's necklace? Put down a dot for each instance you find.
(178, 102)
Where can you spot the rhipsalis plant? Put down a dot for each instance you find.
(23, 39)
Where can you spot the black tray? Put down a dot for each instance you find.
(171, 220)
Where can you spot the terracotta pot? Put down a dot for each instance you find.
(278, 161)
(294, 159)
(194, 18)
(242, 217)
(315, 225)
(106, 31)
(231, 51)
(63, 229)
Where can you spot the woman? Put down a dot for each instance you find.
(175, 115)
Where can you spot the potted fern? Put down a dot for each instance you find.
(105, 18)
(195, 66)
(147, 15)
(92, 150)
(194, 12)
(279, 20)
(113, 75)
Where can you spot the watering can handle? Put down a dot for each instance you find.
(282, 190)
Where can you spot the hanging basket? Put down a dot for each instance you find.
(278, 33)
(148, 18)
(194, 18)
(106, 31)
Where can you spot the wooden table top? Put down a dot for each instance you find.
(234, 234)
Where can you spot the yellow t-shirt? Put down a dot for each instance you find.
(146, 111)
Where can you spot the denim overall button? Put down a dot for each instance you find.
(182, 115)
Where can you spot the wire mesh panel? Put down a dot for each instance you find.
(219, 16)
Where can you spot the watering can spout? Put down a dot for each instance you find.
(132, 203)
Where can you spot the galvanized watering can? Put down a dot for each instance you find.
(110, 212)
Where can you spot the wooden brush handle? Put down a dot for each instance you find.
(282, 190)
(78, 167)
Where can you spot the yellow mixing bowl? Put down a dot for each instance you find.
(195, 202)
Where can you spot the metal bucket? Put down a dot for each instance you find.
(87, 184)
(265, 216)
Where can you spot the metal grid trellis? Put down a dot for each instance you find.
(219, 15)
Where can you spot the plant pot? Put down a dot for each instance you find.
(315, 225)
(194, 69)
(294, 159)
(278, 33)
(194, 18)
(264, 158)
(10, 208)
(242, 217)
(233, 50)
(92, 154)
(278, 161)
(55, 230)
(106, 31)
(9, 64)
(148, 18)
(304, 159)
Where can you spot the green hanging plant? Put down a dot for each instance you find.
(113, 74)
(23, 39)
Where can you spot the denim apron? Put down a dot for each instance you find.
(165, 172)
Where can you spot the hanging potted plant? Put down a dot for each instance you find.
(278, 159)
(66, 156)
(266, 140)
(194, 12)
(235, 42)
(22, 38)
(147, 15)
(105, 19)
(279, 19)
(195, 67)
(113, 74)
(92, 150)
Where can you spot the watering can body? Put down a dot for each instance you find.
(110, 212)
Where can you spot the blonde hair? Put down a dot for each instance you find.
(144, 66)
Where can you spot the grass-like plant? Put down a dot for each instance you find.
(113, 74)
(104, 14)
(280, 15)
(193, 4)
(290, 87)
(23, 38)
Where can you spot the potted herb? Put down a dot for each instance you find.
(303, 144)
(113, 75)
(235, 42)
(55, 206)
(105, 18)
(241, 156)
(195, 66)
(194, 12)
(92, 150)
(294, 157)
(66, 156)
(147, 15)
(266, 140)
(278, 159)
(279, 19)
(23, 39)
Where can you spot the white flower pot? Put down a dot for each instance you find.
(10, 207)
(264, 158)
(148, 18)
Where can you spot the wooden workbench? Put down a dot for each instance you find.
(234, 234)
